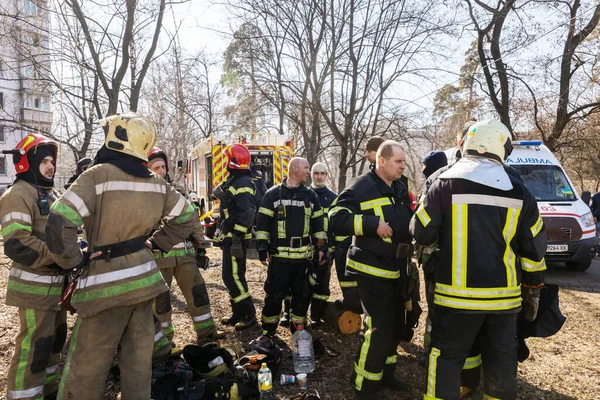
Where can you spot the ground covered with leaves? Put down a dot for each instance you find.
(565, 366)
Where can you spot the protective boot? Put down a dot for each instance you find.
(245, 323)
(51, 396)
(234, 318)
(367, 395)
(465, 393)
(390, 382)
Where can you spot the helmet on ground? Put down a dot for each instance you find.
(490, 139)
(129, 133)
(30, 143)
(158, 153)
(238, 156)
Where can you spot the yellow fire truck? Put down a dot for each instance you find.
(206, 169)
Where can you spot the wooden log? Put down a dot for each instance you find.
(346, 322)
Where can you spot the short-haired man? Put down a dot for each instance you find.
(376, 210)
(289, 230)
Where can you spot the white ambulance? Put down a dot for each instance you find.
(568, 219)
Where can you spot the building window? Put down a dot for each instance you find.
(2, 133)
(30, 7)
(1, 100)
(2, 166)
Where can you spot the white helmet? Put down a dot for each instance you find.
(490, 139)
(129, 133)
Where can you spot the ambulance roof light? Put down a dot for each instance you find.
(526, 142)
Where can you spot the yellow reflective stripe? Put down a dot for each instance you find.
(358, 226)
(238, 283)
(510, 258)
(340, 238)
(320, 235)
(472, 362)
(336, 209)
(317, 214)
(533, 266)
(320, 297)
(262, 235)
(423, 216)
(474, 304)
(235, 191)
(537, 227)
(392, 359)
(297, 319)
(460, 213)
(488, 397)
(348, 284)
(281, 229)
(380, 202)
(379, 212)
(359, 367)
(368, 269)
(266, 211)
(432, 371)
(269, 320)
(477, 292)
(240, 228)
(312, 281)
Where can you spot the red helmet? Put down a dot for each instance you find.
(238, 156)
(156, 153)
(27, 143)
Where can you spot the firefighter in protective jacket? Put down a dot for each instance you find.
(181, 264)
(376, 210)
(290, 232)
(484, 221)
(119, 202)
(320, 289)
(237, 210)
(35, 283)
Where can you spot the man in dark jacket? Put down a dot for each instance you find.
(376, 210)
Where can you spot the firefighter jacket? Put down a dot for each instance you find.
(484, 234)
(114, 208)
(237, 209)
(34, 280)
(326, 198)
(357, 212)
(290, 223)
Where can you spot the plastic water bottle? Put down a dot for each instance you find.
(265, 382)
(303, 352)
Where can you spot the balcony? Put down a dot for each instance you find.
(31, 116)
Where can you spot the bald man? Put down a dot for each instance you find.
(290, 230)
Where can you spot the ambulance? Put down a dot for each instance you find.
(568, 219)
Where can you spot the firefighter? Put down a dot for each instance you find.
(118, 201)
(181, 264)
(237, 210)
(35, 282)
(320, 289)
(290, 232)
(476, 205)
(82, 165)
(376, 211)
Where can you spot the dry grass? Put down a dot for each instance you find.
(562, 367)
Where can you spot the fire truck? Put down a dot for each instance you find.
(207, 169)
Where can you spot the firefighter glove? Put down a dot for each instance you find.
(201, 258)
(236, 247)
(531, 301)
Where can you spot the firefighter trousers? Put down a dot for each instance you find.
(192, 285)
(234, 278)
(127, 330)
(383, 325)
(320, 291)
(453, 337)
(162, 346)
(348, 283)
(33, 370)
(284, 278)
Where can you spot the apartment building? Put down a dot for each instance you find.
(24, 63)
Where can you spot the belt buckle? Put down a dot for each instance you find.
(292, 241)
(107, 254)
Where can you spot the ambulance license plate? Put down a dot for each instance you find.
(557, 248)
